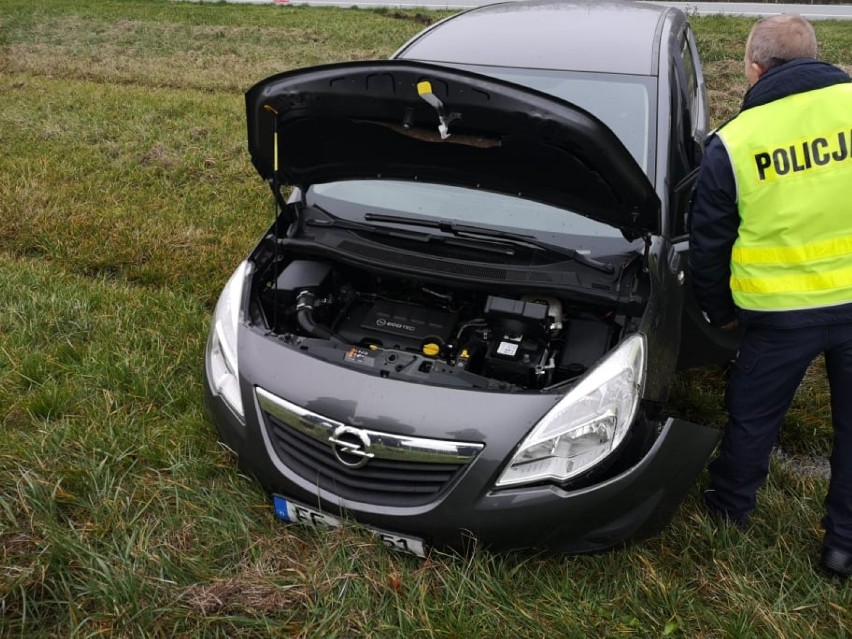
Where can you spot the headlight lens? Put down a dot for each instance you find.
(222, 346)
(587, 424)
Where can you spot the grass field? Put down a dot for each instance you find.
(126, 198)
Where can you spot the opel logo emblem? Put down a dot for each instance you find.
(351, 446)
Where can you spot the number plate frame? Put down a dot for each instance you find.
(296, 513)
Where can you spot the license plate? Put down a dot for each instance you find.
(296, 513)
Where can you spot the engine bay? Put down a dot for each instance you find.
(445, 335)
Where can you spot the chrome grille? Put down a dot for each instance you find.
(401, 471)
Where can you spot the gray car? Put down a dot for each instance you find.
(464, 322)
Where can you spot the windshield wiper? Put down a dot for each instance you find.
(349, 225)
(466, 230)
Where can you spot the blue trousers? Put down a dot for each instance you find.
(768, 370)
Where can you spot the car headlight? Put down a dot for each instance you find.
(222, 345)
(587, 424)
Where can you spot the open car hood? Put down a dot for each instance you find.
(381, 120)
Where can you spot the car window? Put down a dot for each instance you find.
(621, 102)
(691, 86)
(689, 70)
(688, 128)
(352, 198)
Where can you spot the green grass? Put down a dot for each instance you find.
(126, 198)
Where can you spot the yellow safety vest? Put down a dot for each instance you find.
(792, 160)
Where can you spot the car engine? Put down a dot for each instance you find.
(420, 332)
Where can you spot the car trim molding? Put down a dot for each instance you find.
(359, 445)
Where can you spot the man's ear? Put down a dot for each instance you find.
(753, 71)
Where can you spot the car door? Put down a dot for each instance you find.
(701, 343)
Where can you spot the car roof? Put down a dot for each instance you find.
(610, 36)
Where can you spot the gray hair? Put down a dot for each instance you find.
(779, 39)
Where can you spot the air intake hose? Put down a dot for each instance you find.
(305, 303)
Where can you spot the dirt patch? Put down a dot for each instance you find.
(252, 592)
(157, 154)
(420, 18)
(803, 465)
(17, 545)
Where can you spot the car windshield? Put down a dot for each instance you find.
(352, 199)
(622, 102)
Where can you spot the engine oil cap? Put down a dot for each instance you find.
(431, 349)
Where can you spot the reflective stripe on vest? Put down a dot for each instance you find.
(792, 161)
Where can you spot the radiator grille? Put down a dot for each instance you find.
(382, 481)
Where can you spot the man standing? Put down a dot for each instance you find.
(771, 250)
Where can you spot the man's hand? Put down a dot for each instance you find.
(730, 326)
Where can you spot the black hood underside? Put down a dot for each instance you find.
(370, 120)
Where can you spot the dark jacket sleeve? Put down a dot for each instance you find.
(713, 224)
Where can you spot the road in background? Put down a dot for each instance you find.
(750, 9)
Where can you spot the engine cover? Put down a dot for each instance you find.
(396, 325)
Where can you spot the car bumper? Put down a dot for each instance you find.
(633, 504)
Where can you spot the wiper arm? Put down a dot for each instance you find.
(336, 222)
(463, 230)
